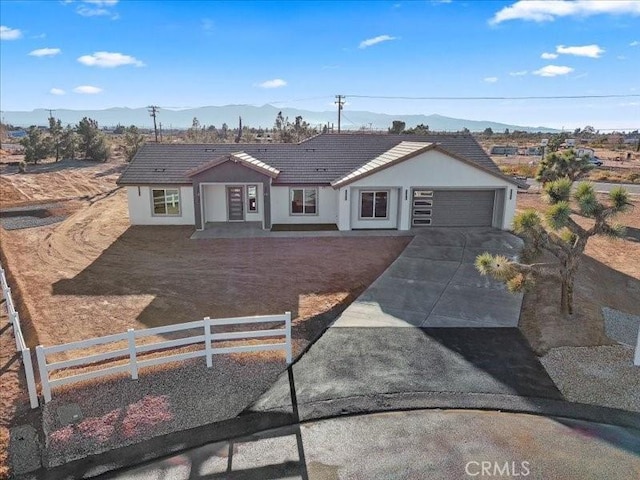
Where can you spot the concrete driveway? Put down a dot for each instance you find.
(434, 283)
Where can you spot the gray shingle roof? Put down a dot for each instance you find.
(318, 160)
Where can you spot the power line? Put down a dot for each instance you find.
(530, 97)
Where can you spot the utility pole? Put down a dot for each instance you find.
(160, 132)
(340, 103)
(50, 113)
(152, 112)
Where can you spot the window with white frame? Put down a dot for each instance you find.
(374, 204)
(304, 201)
(166, 201)
(252, 198)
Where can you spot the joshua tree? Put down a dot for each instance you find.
(557, 233)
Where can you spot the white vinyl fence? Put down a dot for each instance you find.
(21, 346)
(132, 349)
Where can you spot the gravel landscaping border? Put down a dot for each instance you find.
(34, 216)
(620, 326)
(602, 375)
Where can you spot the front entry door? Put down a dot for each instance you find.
(235, 204)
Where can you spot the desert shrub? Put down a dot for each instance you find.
(634, 177)
(519, 170)
(22, 166)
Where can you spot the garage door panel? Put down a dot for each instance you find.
(462, 208)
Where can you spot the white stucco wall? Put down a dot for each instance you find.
(141, 208)
(327, 206)
(431, 169)
(215, 203)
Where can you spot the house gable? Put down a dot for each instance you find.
(241, 158)
(403, 152)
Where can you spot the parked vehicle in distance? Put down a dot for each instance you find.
(595, 161)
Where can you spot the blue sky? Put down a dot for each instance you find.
(107, 53)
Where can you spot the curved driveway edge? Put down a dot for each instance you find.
(255, 422)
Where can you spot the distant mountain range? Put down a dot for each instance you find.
(253, 116)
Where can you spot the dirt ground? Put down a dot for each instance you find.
(608, 276)
(94, 274)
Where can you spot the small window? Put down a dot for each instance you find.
(304, 201)
(374, 204)
(422, 193)
(252, 198)
(166, 201)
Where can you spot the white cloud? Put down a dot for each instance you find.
(491, 79)
(7, 33)
(45, 52)
(549, 56)
(635, 43)
(591, 51)
(109, 60)
(553, 71)
(549, 10)
(87, 89)
(375, 40)
(102, 3)
(97, 8)
(57, 91)
(519, 73)
(275, 83)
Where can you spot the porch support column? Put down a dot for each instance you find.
(266, 202)
(197, 206)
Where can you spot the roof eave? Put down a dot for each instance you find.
(346, 181)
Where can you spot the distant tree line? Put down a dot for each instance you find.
(82, 141)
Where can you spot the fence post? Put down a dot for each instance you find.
(15, 325)
(133, 360)
(288, 339)
(44, 373)
(207, 341)
(636, 360)
(31, 381)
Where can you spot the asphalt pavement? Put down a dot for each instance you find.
(444, 444)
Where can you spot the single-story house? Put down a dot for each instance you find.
(353, 181)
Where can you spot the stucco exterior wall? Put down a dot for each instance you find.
(326, 203)
(141, 207)
(215, 202)
(431, 169)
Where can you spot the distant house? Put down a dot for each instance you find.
(17, 134)
(503, 150)
(352, 181)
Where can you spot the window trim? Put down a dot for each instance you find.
(360, 217)
(247, 187)
(303, 214)
(153, 210)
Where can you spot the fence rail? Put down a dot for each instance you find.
(133, 349)
(21, 346)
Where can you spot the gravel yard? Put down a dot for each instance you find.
(119, 412)
(603, 375)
